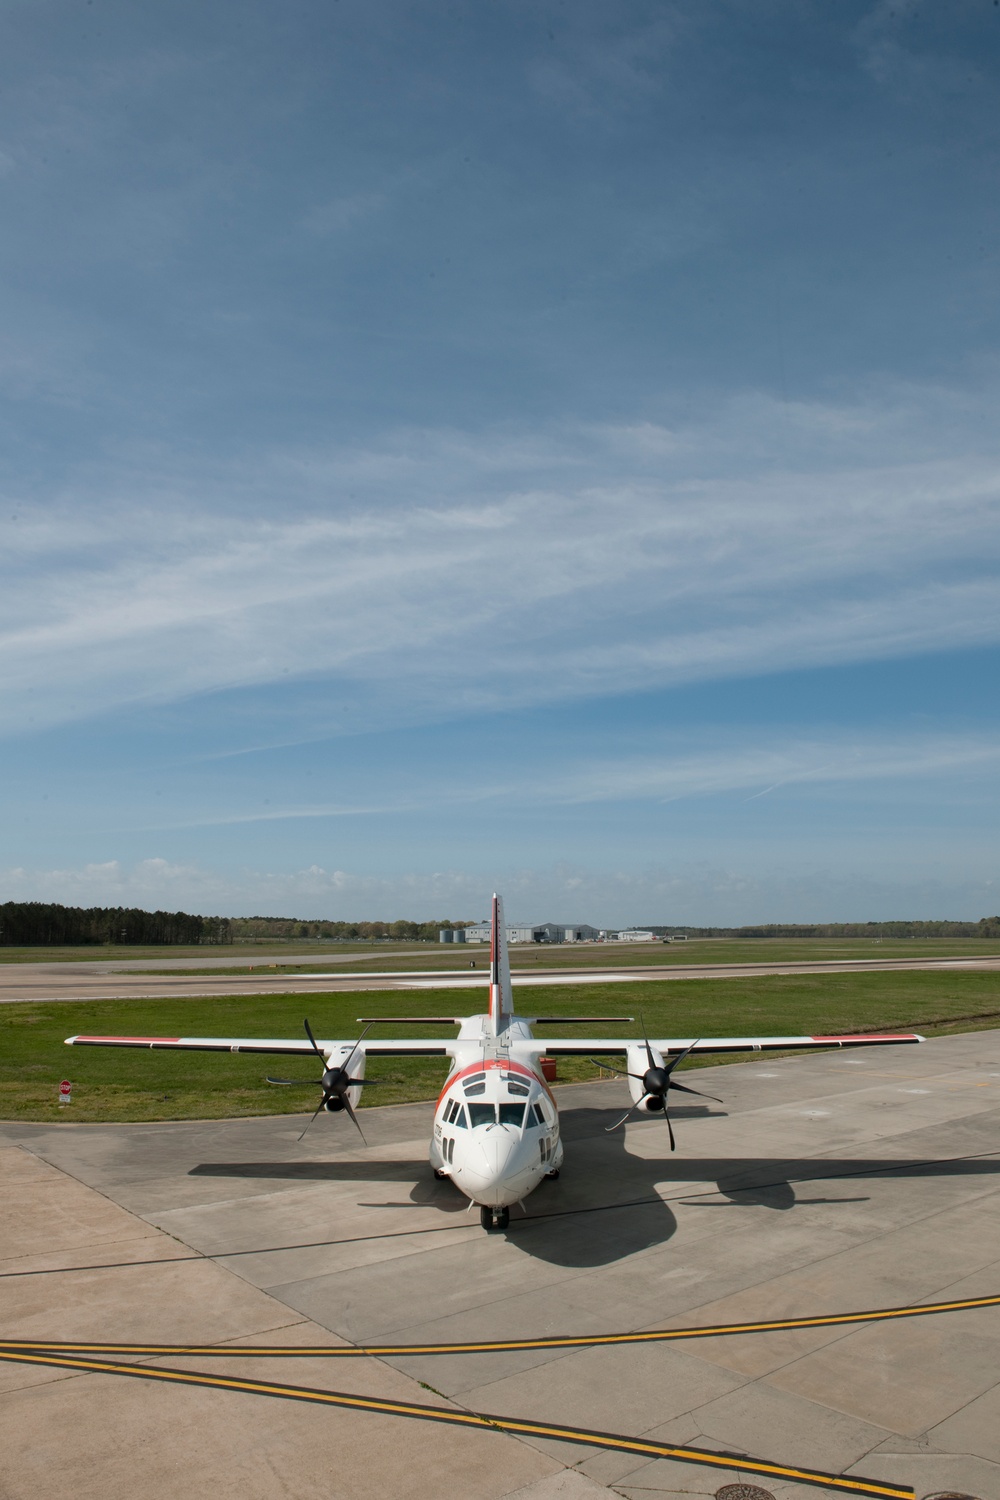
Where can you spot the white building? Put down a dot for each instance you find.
(540, 932)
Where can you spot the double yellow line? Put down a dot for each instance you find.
(845, 1485)
(494, 1346)
(91, 1357)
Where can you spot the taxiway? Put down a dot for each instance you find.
(824, 1184)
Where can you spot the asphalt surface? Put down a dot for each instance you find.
(823, 1184)
(89, 981)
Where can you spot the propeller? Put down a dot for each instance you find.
(656, 1084)
(335, 1082)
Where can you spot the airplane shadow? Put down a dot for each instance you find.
(608, 1203)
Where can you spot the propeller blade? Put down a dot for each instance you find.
(645, 1037)
(685, 1090)
(670, 1128)
(313, 1040)
(618, 1072)
(346, 1064)
(312, 1117)
(608, 1128)
(296, 1083)
(681, 1056)
(350, 1111)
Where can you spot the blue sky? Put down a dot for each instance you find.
(550, 447)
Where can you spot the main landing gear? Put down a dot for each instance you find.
(494, 1220)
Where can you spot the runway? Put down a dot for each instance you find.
(823, 1186)
(85, 981)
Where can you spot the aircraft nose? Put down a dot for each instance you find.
(490, 1162)
(498, 1146)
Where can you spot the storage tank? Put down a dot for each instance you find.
(445, 935)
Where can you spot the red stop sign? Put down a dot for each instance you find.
(65, 1089)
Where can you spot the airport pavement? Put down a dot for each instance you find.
(46, 982)
(823, 1184)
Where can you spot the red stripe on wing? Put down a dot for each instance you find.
(127, 1039)
(869, 1036)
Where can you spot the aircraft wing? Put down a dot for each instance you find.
(406, 1047)
(573, 1046)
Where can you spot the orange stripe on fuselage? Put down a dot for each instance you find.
(485, 1067)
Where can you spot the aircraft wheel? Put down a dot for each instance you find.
(494, 1220)
(553, 1174)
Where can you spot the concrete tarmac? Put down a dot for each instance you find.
(88, 981)
(823, 1184)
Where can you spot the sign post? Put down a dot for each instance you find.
(65, 1092)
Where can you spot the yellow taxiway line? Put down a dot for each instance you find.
(843, 1484)
(493, 1346)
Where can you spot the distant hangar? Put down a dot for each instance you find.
(543, 932)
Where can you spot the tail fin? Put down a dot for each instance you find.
(501, 997)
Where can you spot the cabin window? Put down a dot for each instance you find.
(482, 1114)
(455, 1114)
(512, 1114)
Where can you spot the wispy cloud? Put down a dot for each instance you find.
(447, 569)
(674, 771)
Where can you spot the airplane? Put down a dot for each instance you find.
(496, 1123)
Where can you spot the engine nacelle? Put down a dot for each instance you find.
(638, 1062)
(339, 1058)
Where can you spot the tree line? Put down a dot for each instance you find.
(986, 927)
(255, 929)
(29, 924)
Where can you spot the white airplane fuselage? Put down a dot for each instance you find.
(496, 1126)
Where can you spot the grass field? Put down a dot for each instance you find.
(100, 953)
(309, 956)
(114, 1084)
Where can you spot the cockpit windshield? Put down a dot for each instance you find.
(490, 1114)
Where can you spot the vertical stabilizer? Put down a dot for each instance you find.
(501, 997)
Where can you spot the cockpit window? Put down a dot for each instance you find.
(455, 1114)
(482, 1114)
(512, 1114)
(536, 1110)
(514, 1085)
(475, 1085)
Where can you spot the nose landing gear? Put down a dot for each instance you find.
(494, 1220)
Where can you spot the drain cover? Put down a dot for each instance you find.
(748, 1492)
